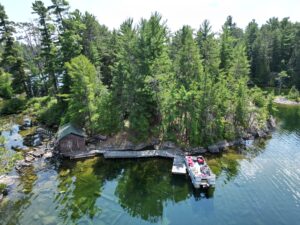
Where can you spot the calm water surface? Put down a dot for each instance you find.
(260, 186)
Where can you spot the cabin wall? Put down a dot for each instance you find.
(71, 143)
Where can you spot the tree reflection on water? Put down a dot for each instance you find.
(145, 188)
(80, 185)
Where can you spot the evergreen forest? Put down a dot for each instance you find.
(193, 87)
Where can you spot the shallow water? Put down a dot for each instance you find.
(12, 138)
(10, 131)
(260, 186)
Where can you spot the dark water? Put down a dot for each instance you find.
(260, 186)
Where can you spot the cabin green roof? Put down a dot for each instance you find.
(67, 129)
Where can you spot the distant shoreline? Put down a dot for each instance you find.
(285, 101)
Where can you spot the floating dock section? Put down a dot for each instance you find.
(179, 166)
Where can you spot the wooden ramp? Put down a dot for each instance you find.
(178, 165)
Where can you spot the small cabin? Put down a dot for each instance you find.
(70, 140)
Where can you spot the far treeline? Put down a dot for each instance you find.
(192, 87)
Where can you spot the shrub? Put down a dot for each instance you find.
(51, 113)
(6, 90)
(12, 106)
(7, 158)
(294, 94)
(139, 125)
(2, 188)
(46, 109)
(107, 119)
(258, 97)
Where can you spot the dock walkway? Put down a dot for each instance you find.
(177, 156)
(140, 154)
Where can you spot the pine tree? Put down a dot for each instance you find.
(91, 37)
(187, 65)
(261, 62)
(294, 63)
(210, 54)
(234, 31)
(251, 34)
(48, 48)
(209, 49)
(30, 49)
(10, 52)
(60, 10)
(153, 64)
(240, 65)
(81, 105)
(70, 44)
(226, 49)
(125, 69)
(98, 46)
(181, 100)
(11, 61)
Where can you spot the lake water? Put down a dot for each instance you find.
(257, 186)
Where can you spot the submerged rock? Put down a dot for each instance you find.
(21, 164)
(36, 142)
(36, 217)
(8, 180)
(49, 220)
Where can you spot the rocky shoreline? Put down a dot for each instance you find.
(38, 145)
(284, 101)
(41, 144)
(121, 143)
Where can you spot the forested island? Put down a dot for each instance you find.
(192, 87)
(215, 103)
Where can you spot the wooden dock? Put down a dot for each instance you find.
(140, 154)
(86, 154)
(177, 156)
